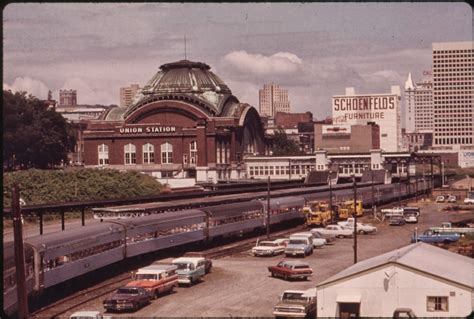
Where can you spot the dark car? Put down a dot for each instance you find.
(208, 261)
(396, 221)
(127, 298)
(291, 270)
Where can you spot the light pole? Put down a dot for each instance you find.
(268, 208)
(442, 174)
(354, 214)
(330, 197)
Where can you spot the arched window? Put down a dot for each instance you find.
(103, 151)
(166, 153)
(193, 152)
(130, 154)
(148, 153)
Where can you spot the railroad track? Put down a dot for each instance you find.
(59, 308)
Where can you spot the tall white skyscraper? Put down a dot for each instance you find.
(273, 99)
(453, 95)
(419, 104)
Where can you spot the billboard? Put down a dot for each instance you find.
(383, 109)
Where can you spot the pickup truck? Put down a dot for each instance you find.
(448, 228)
(299, 245)
(296, 304)
(430, 236)
(395, 211)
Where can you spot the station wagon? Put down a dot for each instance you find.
(291, 269)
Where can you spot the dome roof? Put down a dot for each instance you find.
(185, 80)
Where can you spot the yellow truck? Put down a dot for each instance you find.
(346, 209)
(317, 213)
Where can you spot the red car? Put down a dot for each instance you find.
(291, 270)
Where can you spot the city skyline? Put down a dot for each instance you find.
(314, 50)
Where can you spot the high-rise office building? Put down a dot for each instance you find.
(419, 104)
(273, 99)
(453, 97)
(67, 97)
(127, 94)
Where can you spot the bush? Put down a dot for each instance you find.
(61, 186)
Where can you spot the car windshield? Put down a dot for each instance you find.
(128, 291)
(293, 296)
(184, 266)
(297, 241)
(146, 277)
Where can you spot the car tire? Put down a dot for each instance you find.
(362, 232)
(272, 274)
(285, 277)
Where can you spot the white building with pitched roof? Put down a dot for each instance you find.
(431, 281)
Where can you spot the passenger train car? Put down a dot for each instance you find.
(57, 257)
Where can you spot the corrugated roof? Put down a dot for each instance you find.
(427, 258)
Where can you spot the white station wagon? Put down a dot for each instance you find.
(335, 230)
(268, 248)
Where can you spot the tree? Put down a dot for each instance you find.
(33, 136)
(283, 146)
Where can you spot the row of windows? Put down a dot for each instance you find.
(454, 140)
(279, 170)
(148, 151)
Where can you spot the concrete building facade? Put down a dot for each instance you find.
(67, 97)
(453, 98)
(273, 99)
(127, 94)
(346, 138)
(419, 105)
(382, 109)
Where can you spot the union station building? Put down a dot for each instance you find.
(184, 123)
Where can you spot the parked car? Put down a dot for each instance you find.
(317, 241)
(127, 298)
(208, 261)
(88, 315)
(296, 304)
(394, 211)
(299, 246)
(430, 236)
(412, 210)
(361, 228)
(452, 199)
(440, 199)
(468, 200)
(447, 227)
(410, 218)
(396, 221)
(157, 279)
(190, 269)
(291, 270)
(335, 230)
(330, 239)
(403, 313)
(268, 248)
(282, 241)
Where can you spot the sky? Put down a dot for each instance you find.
(315, 50)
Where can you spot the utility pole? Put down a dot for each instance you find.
(19, 255)
(400, 192)
(372, 187)
(354, 214)
(268, 208)
(330, 198)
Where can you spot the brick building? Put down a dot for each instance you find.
(346, 138)
(185, 123)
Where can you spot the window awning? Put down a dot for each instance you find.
(348, 298)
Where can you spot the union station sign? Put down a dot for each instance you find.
(151, 129)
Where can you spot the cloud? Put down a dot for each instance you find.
(29, 85)
(87, 94)
(277, 64)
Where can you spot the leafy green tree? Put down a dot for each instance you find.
(283, 146)
(33, 135)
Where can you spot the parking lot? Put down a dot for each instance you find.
(240, 285)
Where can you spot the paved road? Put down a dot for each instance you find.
(240, 285)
